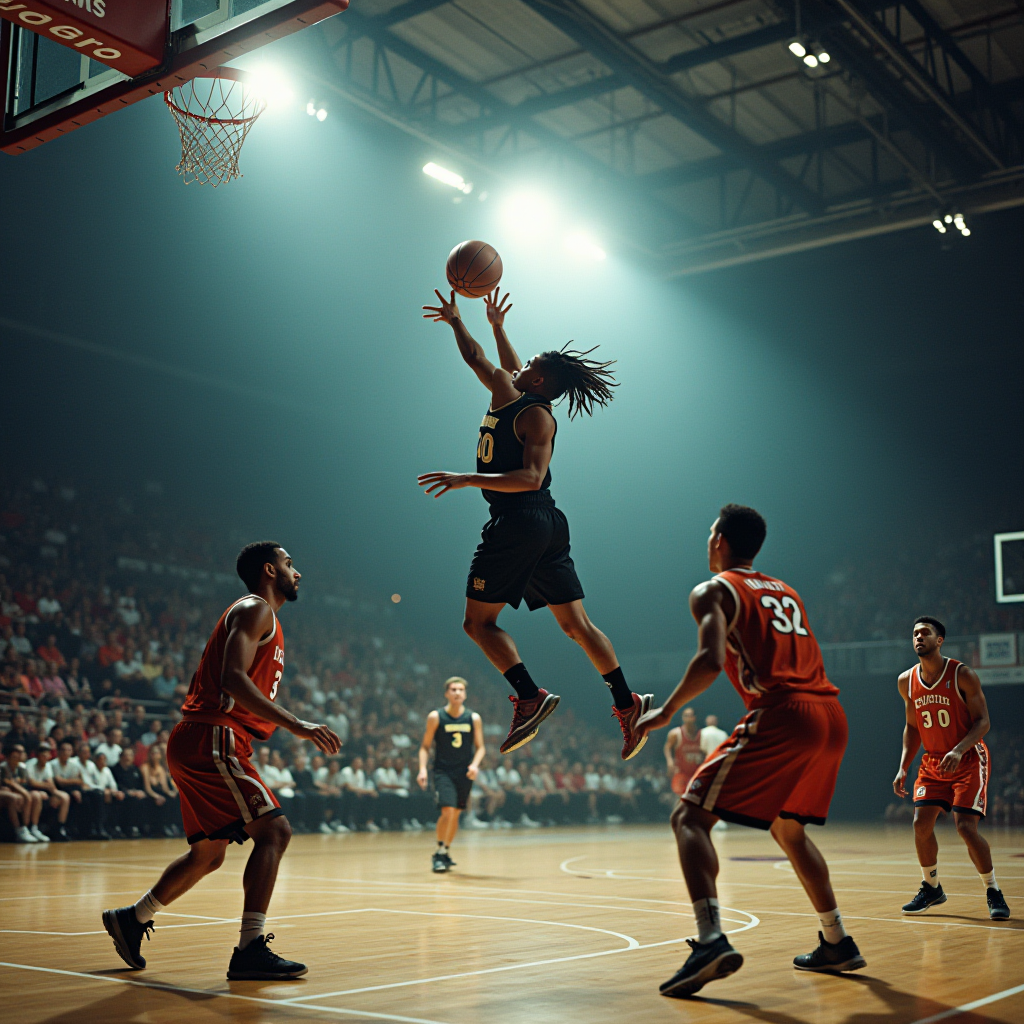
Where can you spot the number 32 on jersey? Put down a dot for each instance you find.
(787, 617)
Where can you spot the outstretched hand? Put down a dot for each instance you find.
(496, 309)
(325, 740)
(442, 482)
(446, 312)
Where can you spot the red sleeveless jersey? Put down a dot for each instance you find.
(770, 649)
(943, 718)
(206, 700)
(688, 755)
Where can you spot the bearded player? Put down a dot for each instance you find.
(777, 771)
(524, 547)
(230, 702)
(947, 714)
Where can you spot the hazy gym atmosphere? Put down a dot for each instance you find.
(190, 367)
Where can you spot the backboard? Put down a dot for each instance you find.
(1009, 551)
(49, 88)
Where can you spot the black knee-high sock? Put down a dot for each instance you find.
(520, 681)
(622, 696)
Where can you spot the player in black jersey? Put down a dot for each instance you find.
(524, 548)
(459, 737)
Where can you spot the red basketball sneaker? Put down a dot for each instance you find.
(527, 717)
(631, 744)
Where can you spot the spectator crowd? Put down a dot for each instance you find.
(105, 606)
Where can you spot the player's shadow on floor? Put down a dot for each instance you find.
(902, 1007)
(129, 1003)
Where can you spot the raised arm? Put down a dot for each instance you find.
(970, 687)
(248, 624)
(469, 348)
(496, 310)
(711, 604)
(433, 720)
(911, 737)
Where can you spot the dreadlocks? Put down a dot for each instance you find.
(585, 381)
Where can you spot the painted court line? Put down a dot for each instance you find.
(160, 987)
(968, 1007)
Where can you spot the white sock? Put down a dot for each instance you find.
(709, 919)
(930, 874)
(989, 880)
(147, 908)
(832, 926)
(253, 925)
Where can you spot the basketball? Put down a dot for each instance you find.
(474, 268)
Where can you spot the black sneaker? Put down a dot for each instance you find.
(832, 957)
(124, 928)
(997, 908)
(448, 859)
(439, 863)
(258, 962)
(708, 962)
(526, 719)
(927, 896)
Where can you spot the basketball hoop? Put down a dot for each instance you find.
(214, 114)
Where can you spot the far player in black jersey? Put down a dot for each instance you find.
(459, 737)
(524, 548)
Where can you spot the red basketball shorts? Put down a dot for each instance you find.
(780, 761)
(965, 791)
(221, 792)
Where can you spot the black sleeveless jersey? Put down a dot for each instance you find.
(453, 741)
(499, 449)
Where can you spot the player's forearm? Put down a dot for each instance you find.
(424, 756)
(469, 348)
(507, 355)
(512, 482)
(911, 745)
(478, 757)
(239, 686)
(700, 674)
(977, 732)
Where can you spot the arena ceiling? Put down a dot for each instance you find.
(722, 144)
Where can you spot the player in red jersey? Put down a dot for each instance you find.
(683, 752)
(947, 714)
(778, 769)
(223, 800)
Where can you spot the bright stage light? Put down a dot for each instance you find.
(271, 86)
(824, 57)
(811, 61)
(321, 114)
(529, 214)
(939, 226)
(579, 243)
(311, 108)
(797, 48)
(442, 174)
(966, 232)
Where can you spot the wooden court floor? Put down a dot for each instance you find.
(544, 926)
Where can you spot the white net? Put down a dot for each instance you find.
(214, 116)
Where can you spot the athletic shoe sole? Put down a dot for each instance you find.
(266, 975)
(548, 705)
(934, 903)
(721, 967)
(645, 705)
(853, 964)
(114, 931)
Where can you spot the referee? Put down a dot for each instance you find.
(456, 762)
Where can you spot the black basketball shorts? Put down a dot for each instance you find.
(524, 552)
(451, 789)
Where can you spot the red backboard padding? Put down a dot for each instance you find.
(129, 35)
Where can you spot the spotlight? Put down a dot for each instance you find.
(272, 86)
(797, 48)
(948, 218)
(810, 60)
(528, 214)
(442, 174)
(321, 114)
(966, 232)
(311, 108)
(579, 243)
(939, 226)
(823, 57)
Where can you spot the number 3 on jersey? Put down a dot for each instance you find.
(485, 448)
(781, 620)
